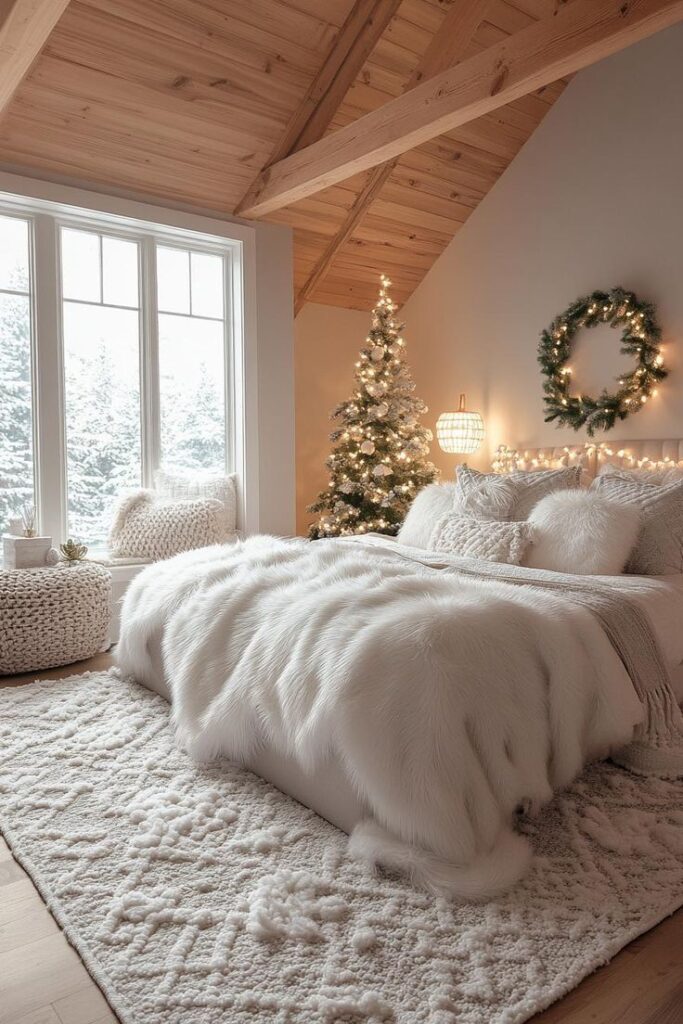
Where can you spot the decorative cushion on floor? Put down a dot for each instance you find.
(51, 617)
(146, 526)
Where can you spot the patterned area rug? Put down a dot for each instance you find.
(202, 894)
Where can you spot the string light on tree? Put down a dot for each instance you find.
(641, 337)
(379, 460)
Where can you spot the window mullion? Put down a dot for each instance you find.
(48, 363)
(149, 364)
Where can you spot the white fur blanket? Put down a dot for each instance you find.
(450, 702)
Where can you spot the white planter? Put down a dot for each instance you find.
(24, 552)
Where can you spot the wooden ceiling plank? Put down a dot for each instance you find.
(356, 39)
(24, 28)
(576, 36)
(453, 37)
(355, 42)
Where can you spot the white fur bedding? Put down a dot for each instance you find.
(449, 702)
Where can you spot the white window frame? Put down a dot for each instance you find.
(48, 207)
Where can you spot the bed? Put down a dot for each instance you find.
(299, 629)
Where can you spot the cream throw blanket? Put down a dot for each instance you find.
(450, 700)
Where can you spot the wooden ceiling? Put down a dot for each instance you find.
(187, 100)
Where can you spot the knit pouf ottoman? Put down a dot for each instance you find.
(51, 617)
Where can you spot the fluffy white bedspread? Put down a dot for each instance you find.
(450, 702)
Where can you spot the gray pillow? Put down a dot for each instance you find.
(659, 548)
(529, 487)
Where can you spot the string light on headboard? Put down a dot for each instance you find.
(508, 460)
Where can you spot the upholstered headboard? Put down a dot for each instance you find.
(627, 454)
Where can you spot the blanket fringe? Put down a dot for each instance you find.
(657, 746)
(488, 876)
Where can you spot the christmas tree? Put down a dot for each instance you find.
(378, 463)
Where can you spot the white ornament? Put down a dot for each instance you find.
(367, 447)
(347, 487)
(377, 354)
(381, 470)
(381, 410)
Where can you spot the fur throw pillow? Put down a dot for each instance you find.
(492, 497)
(427, 508)
(582, 532)
(223, 488)
(659, 549)
(529, 487)
(148, 527)
(476, 538)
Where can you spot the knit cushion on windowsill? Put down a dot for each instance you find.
(147, 526)
(191, 488)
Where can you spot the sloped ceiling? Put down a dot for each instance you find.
(186, 100)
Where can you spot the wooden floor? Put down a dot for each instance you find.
(42, 980)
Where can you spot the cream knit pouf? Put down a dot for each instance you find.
(53, 616)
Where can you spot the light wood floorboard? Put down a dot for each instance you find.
(42, 980)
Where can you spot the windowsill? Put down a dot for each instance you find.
(122, 570)
(109, 561)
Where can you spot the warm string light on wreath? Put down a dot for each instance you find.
(640, 338)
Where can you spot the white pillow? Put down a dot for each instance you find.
(493, 498)
(582, 532)
(219, 488)
(659, 550)
(530, 487)
(657, 477)
(427, 508)
(146, 526)
(480, 538)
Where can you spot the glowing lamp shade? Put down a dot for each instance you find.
(460, 432)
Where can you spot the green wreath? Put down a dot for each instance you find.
(640, 338)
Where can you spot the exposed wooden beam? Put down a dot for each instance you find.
(447, 46)
(576, 36)
(24, 28)
(353, 45)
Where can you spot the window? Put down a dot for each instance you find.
(191, 359)
(116, 353)
(16, 404)
(101, 339)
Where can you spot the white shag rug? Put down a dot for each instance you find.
(202, 894)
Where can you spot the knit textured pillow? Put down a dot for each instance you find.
(645, 476)
(659, 548)
(148, 527)
(222, 488)
(476, 538)
(529, 487)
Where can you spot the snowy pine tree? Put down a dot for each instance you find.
(378, 463)
(16, 428)
(102, 440)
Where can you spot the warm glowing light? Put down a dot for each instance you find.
(460, 432)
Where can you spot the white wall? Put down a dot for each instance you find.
(594, 200)
(327, 343)
(275, 354)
